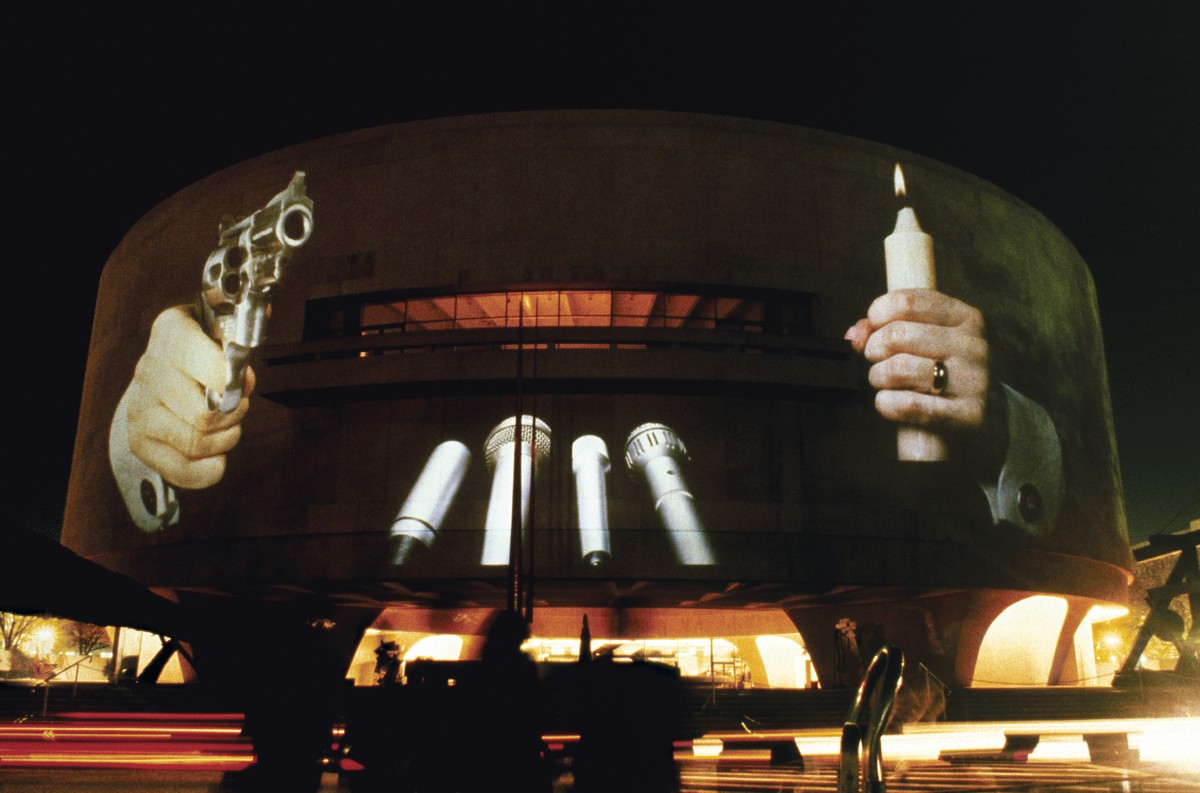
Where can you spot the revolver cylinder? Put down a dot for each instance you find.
(240, 277)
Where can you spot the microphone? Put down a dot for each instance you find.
(656, 451)
(589, 462)
(421, 516)
(500, 455)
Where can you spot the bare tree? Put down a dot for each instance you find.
(14, 627)
(88, 638)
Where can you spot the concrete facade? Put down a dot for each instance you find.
(622, 199)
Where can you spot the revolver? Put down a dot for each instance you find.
(240, 278)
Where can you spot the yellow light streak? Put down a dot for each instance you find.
(1160, 740)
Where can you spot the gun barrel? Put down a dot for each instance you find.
(240, 276)
(295, 225)
(283, 224)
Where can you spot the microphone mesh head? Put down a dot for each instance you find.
(649, 441)
(533, 431)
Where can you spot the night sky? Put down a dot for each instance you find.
(1089, 112)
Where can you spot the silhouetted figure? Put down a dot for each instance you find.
(629, 718)
(585, 642)
(384, 732)
(290, 712)
(387, 663)
(849, 653)
(441, 722)
(505, 710)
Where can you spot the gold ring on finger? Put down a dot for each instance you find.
(940, 378)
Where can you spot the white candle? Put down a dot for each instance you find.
(908, 253)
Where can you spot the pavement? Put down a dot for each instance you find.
(698, 777)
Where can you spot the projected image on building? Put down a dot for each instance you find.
(751, 403)
(706, 367)
(689, 416)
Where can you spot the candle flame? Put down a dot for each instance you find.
(899, 180)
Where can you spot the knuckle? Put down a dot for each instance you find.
(160, 323)
(137, 407)
(912, 406)
(975, 319)
(216, 470)
(204, 473)
(877, 375)
(897, 336)
(977, 349)
(163, 325)
(971, 321)
(897, 405)
(914, 368)
(143, 370)
(138, 444)
(972, 414)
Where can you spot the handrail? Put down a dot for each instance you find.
(368, 346)
(864, 726)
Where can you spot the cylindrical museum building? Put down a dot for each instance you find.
(338, 374)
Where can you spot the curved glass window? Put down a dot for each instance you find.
(562, 308)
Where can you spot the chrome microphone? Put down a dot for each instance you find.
(500, 455)
(590, 464)
(656, 451)
(421, 516)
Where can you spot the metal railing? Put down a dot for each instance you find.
(861, 757)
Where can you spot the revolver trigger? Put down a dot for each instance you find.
(227, 402)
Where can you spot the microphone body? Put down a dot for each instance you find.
(658, 453)
(590, 464)
(422, 513)
(500, 451)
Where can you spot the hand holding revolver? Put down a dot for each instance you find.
(172, 428)
(182, 412)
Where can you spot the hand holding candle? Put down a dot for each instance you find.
(906, 332)
(908, 252)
